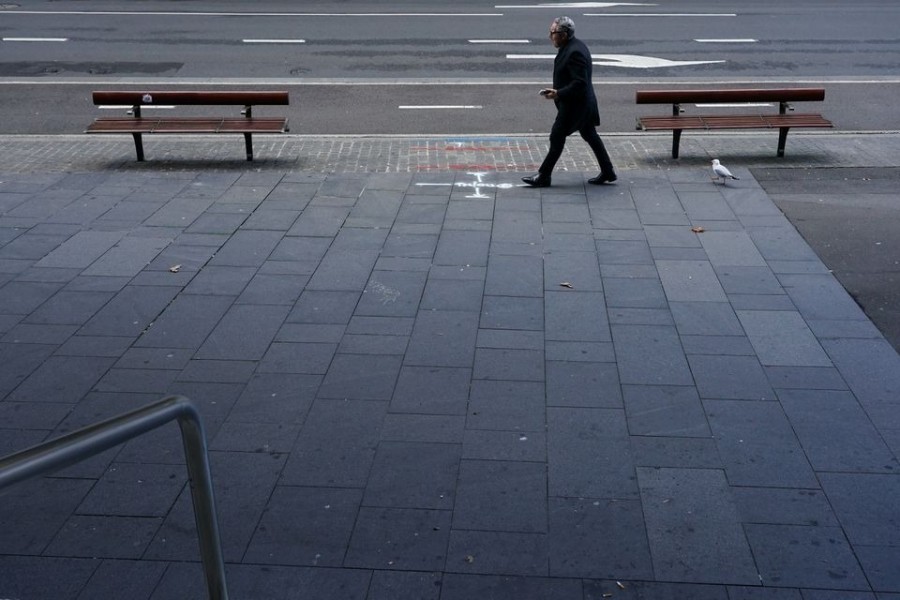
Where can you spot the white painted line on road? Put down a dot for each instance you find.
(274, 41)
(34, 39)
(574, 5)
(660, 14)
(441, 107)
(724, 41)
(499, 41)
(120, 13)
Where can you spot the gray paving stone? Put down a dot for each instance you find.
(440, 429)
(676, 452)
(524, 446)
(806, 378)
(583, 384)
(782, 339)
(690, 281)
(706, 318)
(576, 317)
(802, 556)
(61, 578)
(650, 355)
(669, 411)
(492, 552)
(443, 339)
(694, 528)
(864, 505)
(730, 377)
(747, 279)
(869, 367)
(361, 377)
(431, 390)
(186, 322)
(64, 379)
(400, 585)
(324, 307)
(506, 405)
(879, 564)
(589, 455)
(634, 293)
(462, 248)
(413, 475)
(319, 221)
(104, 537)
(337, 444)
(242, 485)
(638, 590)
(125, 578)
(501, 496)
(305, 526)
(276, 398)
(731, 249)
(462, 586)
(820, 297)
(130, 311)
(34, 511)
(244, 333)
(399, 539)
(758, 445)
(598, 539)
(777, 506)
(820, 418)
(623, 253)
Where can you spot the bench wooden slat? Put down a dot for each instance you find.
(782, 120)
(188, 125)
(710, 122)
(138, 125)
(275, 98)
(734, 95)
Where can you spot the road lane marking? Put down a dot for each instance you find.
(119, 13)
(725, 41)
(440, 107)
(499, 41)
(581, 5)
(34, 39)
(660, 14)
(271, 41)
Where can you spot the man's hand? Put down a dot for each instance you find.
(549, 94)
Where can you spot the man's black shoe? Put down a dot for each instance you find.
(601, 179)
(539, 180)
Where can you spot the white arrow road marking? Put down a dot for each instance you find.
(626, 61)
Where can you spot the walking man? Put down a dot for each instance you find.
(576, 104)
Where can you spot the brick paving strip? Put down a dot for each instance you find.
(421, 380)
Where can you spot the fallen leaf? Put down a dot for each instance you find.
(175, 269)
(697, 229)
(566, 284)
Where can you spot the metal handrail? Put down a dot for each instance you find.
(94, 439)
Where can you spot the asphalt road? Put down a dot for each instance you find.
(351, 66)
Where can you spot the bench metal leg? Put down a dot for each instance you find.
(138, 146)
(248, 141)
(676, 142)
(782, 140)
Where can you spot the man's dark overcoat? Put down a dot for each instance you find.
(575, 101)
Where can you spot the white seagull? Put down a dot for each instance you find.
(720, 171)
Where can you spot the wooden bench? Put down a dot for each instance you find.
(137, 125)
(781, 121)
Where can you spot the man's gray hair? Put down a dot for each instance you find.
(566, 24)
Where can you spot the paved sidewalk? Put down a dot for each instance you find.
(421, 380)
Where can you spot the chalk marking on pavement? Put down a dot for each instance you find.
(476, 185)
(727, 41)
